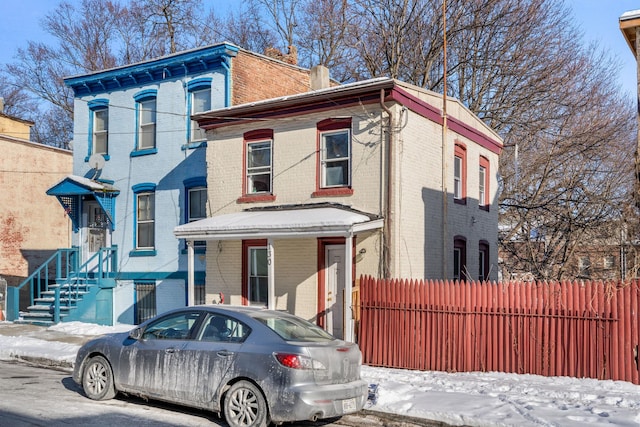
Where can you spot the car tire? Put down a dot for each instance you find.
(244, 406)
(97, 379)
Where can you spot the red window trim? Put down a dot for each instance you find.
(485, 204)
(245, 266)
(460, 151)
(327, 125)
(249, 137)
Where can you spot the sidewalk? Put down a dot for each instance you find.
(406, 398)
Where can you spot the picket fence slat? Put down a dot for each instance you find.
(570, 328)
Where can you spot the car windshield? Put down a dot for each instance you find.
(294, 329)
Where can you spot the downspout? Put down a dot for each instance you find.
(444, 143)
(386, 238)
(227, 82)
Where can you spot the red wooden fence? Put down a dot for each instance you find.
(576, 329)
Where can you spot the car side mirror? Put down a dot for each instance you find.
(136, 333)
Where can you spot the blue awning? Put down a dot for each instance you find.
(73, 188)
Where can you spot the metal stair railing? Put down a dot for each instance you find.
(101, 265)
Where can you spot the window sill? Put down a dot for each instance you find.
(484, 208)
(193, 145)
(256, 198)
(106, 157)
(333, 192)
(145, 152)
(462, 201)
(142, 252)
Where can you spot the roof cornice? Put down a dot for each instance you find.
(365, 92)
(143, 73)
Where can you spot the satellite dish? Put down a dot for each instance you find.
(96, 162)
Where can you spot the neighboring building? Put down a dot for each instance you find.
(630, 27)
(32, 227)
(140, 169)
(310, 191)
(609, 254)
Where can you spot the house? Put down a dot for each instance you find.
(139, 170)
(32, 227)
(307, 192)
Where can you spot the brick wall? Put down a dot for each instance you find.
(256, 77)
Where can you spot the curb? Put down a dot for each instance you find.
(42, 362)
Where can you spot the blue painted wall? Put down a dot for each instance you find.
(167, 167)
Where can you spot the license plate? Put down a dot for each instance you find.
(349, 405)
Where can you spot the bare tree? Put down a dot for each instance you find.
(96, 35)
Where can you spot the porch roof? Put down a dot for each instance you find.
(78, 185)
(280, 223)
(72, 188)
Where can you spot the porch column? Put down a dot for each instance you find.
(191, 287)
(271, 283)
(348, 290)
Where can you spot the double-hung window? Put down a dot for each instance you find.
(483, 184)
(255, 269)
(257, 180)
(259, 167)
(334, 157)
(460, 174)
(146, 112)
(145, 217)
(196, 202)
(99, 127)
(199, 101)
(147, 130)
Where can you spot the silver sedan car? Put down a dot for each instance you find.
(253, 365)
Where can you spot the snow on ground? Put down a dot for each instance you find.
(471, 399)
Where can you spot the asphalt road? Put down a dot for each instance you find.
(36, 396)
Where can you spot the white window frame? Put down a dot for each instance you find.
(257, 171)
(252, 274)
(149, 219)
(457, 177)
(330, 157)
(482, 179)
(147, 108)
(100, 133)
(196, 133)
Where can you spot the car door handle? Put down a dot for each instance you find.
(224, 353)
(171, 350)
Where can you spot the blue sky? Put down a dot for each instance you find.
(598, 20)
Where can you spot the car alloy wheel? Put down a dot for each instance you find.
(97, 380)
(244, 406)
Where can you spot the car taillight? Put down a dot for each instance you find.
(297, 361)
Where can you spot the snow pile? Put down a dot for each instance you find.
(471, 399)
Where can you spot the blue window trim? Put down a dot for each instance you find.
(143, 187)
(144, 95)
(192, 86)
(94, 105)
(201, 83)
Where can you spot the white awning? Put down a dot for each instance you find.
(280, 223)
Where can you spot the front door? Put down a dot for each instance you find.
(334, 289)
(96, 229)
